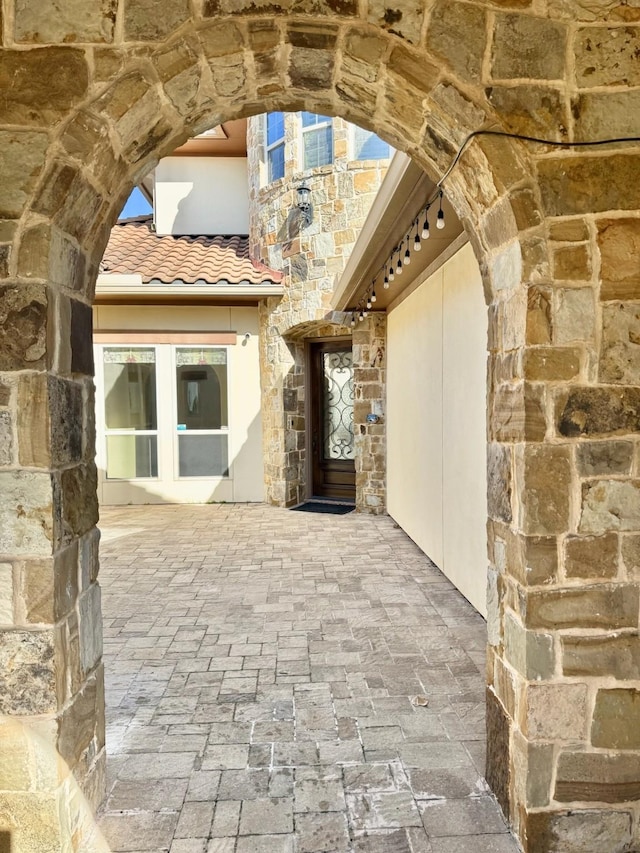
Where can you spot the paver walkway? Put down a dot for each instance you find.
(260, 671)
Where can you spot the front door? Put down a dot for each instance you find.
(332, 445)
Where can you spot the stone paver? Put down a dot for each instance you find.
(260, 671)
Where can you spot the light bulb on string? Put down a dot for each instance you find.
(353, 319)
(407, 257)
(386, 282)
(361, 317)
(373, 295)
(425, 227)
(399, 264)
(440, 219)
(417, 245)
(391, 272)
(368, 302)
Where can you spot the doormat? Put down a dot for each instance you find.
(324, 506)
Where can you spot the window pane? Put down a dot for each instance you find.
(203, 455)
(276, 162)
(368, 146)
(202, 388)
(337, 402)
(275, 127)
(318, 147)
(130, 388)
(132, 456)
(309, 119)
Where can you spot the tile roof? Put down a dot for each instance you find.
(134, 248)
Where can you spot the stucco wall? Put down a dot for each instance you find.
(202, 195)
(246, 475)
(436, 426)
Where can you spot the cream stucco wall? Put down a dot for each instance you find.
(202, 195)
(246, 475)
(436, 415)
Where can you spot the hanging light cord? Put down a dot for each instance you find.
(362, 311)
(506, 134)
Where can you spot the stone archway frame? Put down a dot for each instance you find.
(287, 386)
(120, 91)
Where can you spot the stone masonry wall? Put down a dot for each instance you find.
(93, 94)
(313, 257)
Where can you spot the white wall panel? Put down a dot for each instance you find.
(414, 416)
(436, 416)
(464, 366)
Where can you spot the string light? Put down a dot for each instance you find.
(373, 294)
(440, 219)
(407, 257)
(425, 227)
(368, 302)
(353, 319)
(438, 194)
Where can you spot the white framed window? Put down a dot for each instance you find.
(201, 411)
(365, 145)
(165, 411)
(317, 140)
(275, 146)
(129, 384)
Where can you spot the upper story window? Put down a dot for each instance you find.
(317, 140)
(275, 145)
(368, 146)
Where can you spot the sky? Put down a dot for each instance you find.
(136, 205)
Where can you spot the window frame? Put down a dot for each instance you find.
(176, 433)
(269, 147)
(101, 414)
(317, 126)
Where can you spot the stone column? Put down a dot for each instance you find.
(563, 702)
(51, 678)
(370, 360)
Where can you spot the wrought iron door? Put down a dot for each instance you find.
(332, 437)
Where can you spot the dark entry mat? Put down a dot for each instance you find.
(324, 506)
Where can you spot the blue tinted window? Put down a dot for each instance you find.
(309, 119)
(318, 147)
(368, 146)
(275, 157)
(275, 127)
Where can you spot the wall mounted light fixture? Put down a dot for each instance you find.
(304, 203)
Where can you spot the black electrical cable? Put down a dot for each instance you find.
(524, 138)
(506, 134)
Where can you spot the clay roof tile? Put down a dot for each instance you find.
(134, 248)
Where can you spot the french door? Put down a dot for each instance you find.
(331, 422)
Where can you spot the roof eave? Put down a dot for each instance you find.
(115, 287)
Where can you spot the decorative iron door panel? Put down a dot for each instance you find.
(332, 436)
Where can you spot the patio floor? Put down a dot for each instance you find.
(284, 682)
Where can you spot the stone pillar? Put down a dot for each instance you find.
(282, 376)
(369, 357)
(51, 678)
(564, 534)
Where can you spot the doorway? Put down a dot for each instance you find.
(331, 440)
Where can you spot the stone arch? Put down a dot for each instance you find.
(94, 102)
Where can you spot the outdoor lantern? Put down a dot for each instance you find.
(304, 203)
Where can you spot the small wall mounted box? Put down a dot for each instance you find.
(372, 418)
